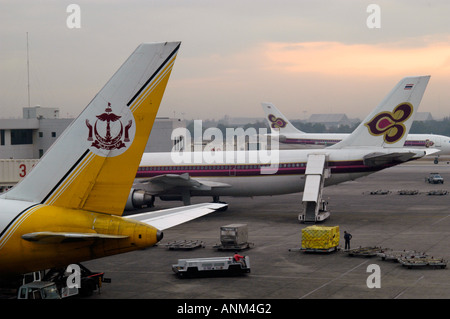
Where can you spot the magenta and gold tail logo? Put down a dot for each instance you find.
(277, 122)
(390, 124)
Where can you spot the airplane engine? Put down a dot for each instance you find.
(138, 198)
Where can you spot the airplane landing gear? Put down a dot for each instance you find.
(217, 200)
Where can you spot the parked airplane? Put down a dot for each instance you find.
(375, 145)
(287, 133)
(68, 209)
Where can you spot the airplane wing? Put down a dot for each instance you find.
(160, 219)
(61, 237)
(379, 158)
(171, 217)
(163, 183)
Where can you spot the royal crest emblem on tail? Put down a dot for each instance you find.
(106, 141)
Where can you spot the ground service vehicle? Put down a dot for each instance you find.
(38, 290)
(211, 266)
(55, 282)
(435, 178)
(89, 281)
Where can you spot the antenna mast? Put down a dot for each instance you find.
(28, 72)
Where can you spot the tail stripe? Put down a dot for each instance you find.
(154, 74)
(15, 223)
(152, 84)
(73, 168)
(67, 180)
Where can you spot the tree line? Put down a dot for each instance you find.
(438, 127)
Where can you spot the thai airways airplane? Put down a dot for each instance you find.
(289, 134)
(376, 144)
(68, 209)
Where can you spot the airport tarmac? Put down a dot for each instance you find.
(412, 222)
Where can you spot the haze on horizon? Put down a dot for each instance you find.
(304, 56)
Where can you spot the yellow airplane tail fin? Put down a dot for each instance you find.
(94, 162)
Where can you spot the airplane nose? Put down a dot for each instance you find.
(159, 235)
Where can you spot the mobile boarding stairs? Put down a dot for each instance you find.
(314, 208)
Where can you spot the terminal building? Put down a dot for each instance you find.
(31, 136)
(24, 140)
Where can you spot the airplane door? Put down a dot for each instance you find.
(232, 170)
(438, 142)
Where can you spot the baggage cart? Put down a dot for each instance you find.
(389, 254)
(184, 245)
(423, 261)
(364, 251)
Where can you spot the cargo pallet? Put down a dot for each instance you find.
(380, 192)
(389, 254)
(408, 192)
(364, 251)
(234, 247)
(316, 250)
(438, 192)
(184, 244)
(415, 262)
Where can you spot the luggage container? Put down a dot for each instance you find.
(234, 237)
(320, 238)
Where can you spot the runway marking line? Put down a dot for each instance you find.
(329, 282)
(401, 292)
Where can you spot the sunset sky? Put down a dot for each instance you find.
(304, 56)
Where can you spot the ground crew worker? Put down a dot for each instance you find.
(239, 259)
(347, 237)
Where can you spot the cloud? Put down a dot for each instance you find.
(234, 54)
(358, 59)
(308, 77)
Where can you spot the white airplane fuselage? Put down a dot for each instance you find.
(320, 140)
(254, 178)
